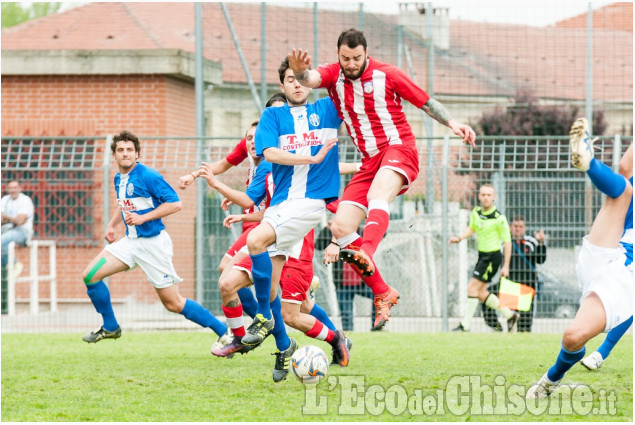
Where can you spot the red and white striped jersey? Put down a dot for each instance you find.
(371, 105)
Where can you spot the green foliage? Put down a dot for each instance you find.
(13, 13)
(172, 377)
(526, 117)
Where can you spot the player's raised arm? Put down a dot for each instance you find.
(300, 62)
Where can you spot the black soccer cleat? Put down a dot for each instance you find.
(283, 361)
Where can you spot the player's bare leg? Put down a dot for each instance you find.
(103, 265)
(344, 228)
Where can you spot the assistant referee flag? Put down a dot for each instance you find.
(514, 295)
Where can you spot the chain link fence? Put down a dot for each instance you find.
(70, 182)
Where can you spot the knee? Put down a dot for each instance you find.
(289, 316)
(574, 338)
(340, 229)
(225, 286)
(254, 244)
(85, 276)
(174, 306)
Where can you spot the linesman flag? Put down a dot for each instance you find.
(515, 295)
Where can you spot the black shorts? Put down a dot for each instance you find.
(487, 265)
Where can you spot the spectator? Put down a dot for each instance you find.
(527, 251)
(17, 218)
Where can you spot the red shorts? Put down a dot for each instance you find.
(244, 265)
(240, 242)
(403, 159)
(295, 280)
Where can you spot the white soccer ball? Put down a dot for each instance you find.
(309, 364)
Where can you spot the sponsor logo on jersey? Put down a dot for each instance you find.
(295, 294)
(130, 189)
(126, 205)
(394, 161)
(308, 139)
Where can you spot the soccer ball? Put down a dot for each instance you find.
(309, 364)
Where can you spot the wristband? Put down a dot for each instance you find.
(192, 174)
(334, 243)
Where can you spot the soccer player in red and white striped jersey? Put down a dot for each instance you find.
(368, 94)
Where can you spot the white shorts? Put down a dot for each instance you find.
(153, 255)
(602, 270)
(292, 220)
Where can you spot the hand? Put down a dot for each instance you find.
(540, 236)
(326, 147)
(225, 204)
(185, 181)
(299, 61)
(231, 219)
(133, 219)
(331, 254)
(454, 239)
(110, 234)
(465, 132)
(205, 170)
(505, 271)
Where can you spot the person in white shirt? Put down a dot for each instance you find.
(17, 218)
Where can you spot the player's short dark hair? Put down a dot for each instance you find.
(125, 136)
(284, 65)
(253, 124)
(276, 97)
(519, 217)
(352, 38)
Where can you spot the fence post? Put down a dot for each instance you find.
(11, 280)
(106, 193)
(445, 234)
(617, 151)
(34, 278)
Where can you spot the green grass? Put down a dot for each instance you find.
(172, 377)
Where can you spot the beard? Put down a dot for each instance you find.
(354, 75)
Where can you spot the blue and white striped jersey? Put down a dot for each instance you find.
(629, 234)
(143, 190)
(302, 130)
(257, 189)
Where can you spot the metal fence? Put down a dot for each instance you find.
(70, 182)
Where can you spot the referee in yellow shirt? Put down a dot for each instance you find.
(491, 229)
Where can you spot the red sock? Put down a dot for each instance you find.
(235, 321)
(319, 331)
(376, 226)
(375, 282)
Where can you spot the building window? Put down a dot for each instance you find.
(59, 176)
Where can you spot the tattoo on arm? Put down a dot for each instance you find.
(437, 111)
(305, 76)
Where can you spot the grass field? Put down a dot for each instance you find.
(172, 377)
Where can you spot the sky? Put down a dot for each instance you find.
(535, 13)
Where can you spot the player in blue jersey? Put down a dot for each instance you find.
(596, 359)
(602, 270)
(299, 140)
(143, 198)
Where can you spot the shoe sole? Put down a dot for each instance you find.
(576, 137)
(353, 257)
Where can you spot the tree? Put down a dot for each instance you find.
(13, 13)
(525, 117)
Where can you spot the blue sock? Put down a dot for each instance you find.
(248, 300)
(100, 296)
(613, 336)
(564, 362)
(261, 270)
(279, 331)
(319, 313)
(200, 315)
(605, 179)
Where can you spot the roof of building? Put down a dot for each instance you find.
(484, 59)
